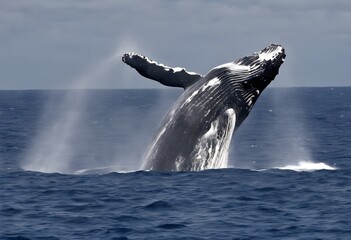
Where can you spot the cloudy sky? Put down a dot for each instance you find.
(47, 44)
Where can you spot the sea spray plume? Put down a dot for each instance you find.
(196, 132)
(54, 147)
(295, 153)
(292, 125)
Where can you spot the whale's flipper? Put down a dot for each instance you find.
(173, 77)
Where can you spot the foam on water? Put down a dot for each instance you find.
(104, 170)
(307, 166)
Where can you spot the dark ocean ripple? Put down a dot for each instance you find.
(214, 204)
(254, 200)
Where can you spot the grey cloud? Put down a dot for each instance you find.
(46, 44)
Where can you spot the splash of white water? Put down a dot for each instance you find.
(213, 149)
(307, 166)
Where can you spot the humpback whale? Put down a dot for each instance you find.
(196, 132)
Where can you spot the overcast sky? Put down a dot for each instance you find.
(59, 44)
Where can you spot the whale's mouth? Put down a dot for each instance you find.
(263, 68)
(271, 58)
(267, 61)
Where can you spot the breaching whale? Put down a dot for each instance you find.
(196, 132)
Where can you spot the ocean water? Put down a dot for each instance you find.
(70, 169)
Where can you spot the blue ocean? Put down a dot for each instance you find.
(70, 168)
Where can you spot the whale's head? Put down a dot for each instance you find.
(252, 74)
(269, 61)
(260, 68)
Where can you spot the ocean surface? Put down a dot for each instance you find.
(70, 168)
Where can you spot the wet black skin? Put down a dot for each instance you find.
(188, 120)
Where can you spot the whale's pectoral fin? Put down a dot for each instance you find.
(173, 77)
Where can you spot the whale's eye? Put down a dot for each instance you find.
(246, 86)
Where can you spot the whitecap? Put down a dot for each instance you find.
(307, 166)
